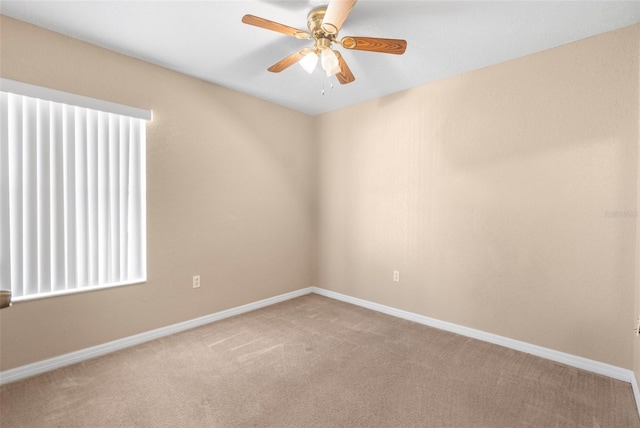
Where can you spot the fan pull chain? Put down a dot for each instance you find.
(330, 83)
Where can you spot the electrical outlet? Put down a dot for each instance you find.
(196, 281)
(396, 276)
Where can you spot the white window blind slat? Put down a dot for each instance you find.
(125, 142)
(82, 198)
(43, 208)
(69, 202)
(57, 192)
(72, 190)
(14, 168)
(29, 196)
(92, 195)
(137, 251)
(102, 190)
(5, 239)
(114, 200)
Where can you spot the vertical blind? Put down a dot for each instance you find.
(72, 197)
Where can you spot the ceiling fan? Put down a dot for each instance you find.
(324, 23)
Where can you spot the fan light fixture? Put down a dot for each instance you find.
(328, 61)
(324, 23)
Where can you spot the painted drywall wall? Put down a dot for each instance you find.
(492, 193)
(231, 196)
(499, 195)
(636, 345)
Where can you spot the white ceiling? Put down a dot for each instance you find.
(207, 39)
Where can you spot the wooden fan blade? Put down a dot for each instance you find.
(336, 14)
(288, 61)
(345, 76)
(274, 26)
(374, 44)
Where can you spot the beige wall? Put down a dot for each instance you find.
(636, 345)
(488, 192)
(231, 196)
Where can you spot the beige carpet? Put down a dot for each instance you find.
(316, 362)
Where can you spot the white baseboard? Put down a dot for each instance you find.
(561, 357)
(636, 391)
(33, 369)
(39, 367)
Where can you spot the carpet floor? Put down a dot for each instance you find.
(317, 362)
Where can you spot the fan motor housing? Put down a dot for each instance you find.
(314, 22)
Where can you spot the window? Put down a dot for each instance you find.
(72, 192)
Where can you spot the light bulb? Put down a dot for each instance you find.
(309, 61)
(329, 61)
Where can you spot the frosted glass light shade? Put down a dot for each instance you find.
(329, 62)
(309, 61)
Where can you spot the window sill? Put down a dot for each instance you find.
(75, 291)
